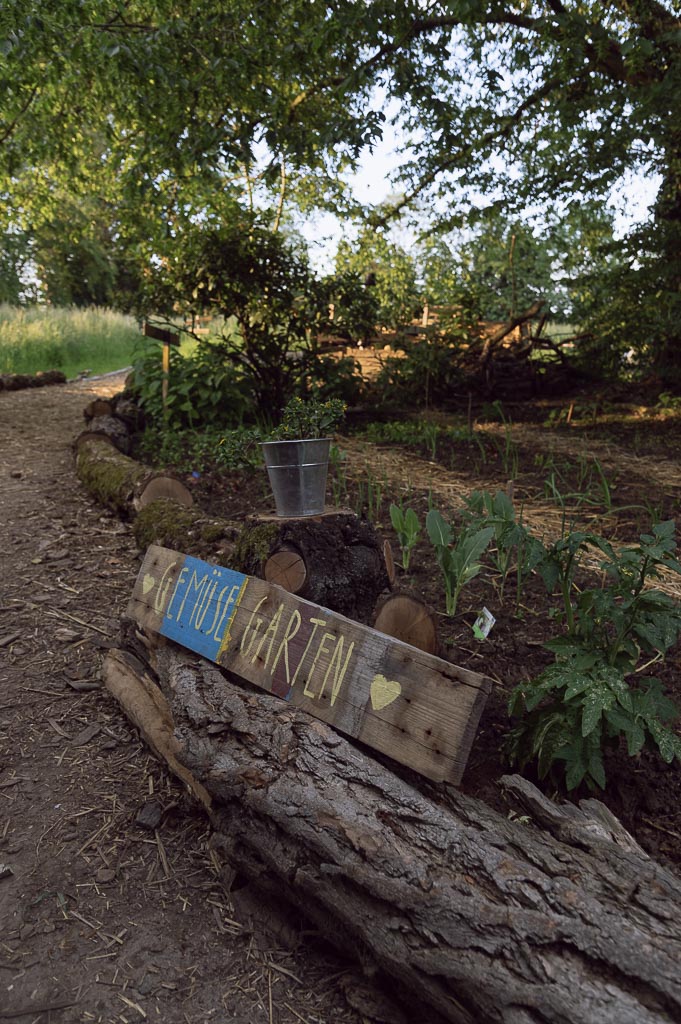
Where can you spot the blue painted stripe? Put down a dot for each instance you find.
(202, 606)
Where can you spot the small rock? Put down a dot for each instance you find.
(147, 984)
(105, 875)
(150, 815)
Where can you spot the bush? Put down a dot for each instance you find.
(205, 388)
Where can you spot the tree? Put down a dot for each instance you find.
(272, 304)
(388, 271)
(166, 111)
(501, 267)
(504, 104)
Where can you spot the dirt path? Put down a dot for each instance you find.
(111, 902)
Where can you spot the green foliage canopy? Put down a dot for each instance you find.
(166, 109)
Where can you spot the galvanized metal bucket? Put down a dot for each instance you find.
(297, 471)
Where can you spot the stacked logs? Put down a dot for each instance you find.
(19, 381)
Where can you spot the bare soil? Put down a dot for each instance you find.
(112, 902)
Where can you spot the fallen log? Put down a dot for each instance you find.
(478, 917)
(119, 482)
(110, 427)
(19, 381)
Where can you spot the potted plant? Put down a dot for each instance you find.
(297, 455)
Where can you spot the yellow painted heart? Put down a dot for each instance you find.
(384, 692)
(148, 583)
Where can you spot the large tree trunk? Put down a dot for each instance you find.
(477, 917)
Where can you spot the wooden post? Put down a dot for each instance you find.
(168, 338)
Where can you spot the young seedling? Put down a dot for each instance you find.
(458, 560)
(407, 527)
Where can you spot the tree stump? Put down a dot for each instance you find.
(478, 918)
(335, 560)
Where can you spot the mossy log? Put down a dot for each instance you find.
(119, 482)
(171, 525)
(475, 917)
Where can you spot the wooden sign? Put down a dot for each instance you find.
(160, 334)
(168, 338)
(417, 708)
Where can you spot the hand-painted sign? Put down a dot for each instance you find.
(417, 708)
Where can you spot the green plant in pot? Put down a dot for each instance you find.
(297, 455)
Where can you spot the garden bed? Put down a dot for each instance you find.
(564, 477)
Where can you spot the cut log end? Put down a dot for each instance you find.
(407, 618)
(164, 487)
(286, 568)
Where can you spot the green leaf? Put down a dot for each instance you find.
(396, 518)
(439, 531)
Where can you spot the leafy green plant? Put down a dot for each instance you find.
(558, 566)
(201, 451)
(407, 527)
(511, 537)
(309, 418)
(588, 698)
(458, 558)
(204, 388)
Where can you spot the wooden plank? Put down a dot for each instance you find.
(159, 334)
(417, 708)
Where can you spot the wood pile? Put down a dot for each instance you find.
(19, 381)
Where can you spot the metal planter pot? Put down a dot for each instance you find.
(297, 472)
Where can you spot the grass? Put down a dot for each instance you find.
(72, 340)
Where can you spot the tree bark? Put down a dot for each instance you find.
(335, 560)
(481, 918)
(109, 427)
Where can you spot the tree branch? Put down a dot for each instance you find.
(510, 122)
(6, 134)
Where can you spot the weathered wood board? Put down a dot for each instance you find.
(417, 708)
(161, 334)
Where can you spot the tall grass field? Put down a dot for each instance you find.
(73, 340)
